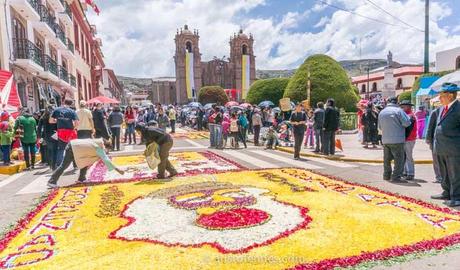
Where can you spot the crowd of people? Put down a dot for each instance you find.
(311, 128)
(50, 130)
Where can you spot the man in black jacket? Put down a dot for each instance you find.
(430, 140)
(318, 125)
(151, 134)
(331, 125)
(446, 146)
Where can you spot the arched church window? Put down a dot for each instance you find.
(245, 49)
(457, 66)
(374, 87)
(363, 88)
(188, 46)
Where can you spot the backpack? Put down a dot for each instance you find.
(234, 125)
(244, 122)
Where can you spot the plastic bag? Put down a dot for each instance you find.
(152, 155)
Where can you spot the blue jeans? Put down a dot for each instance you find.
(6, 149)
(409, 166)
(212, 131)
(29, 153)
(60, 148)
(218, 135)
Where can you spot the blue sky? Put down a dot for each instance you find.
(138, 34)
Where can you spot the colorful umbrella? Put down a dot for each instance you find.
(195, 104)
(245, 105)
(231, 103)
(266, 103)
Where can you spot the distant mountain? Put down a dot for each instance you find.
(135, 84)
(352, 67)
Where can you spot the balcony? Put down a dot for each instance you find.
(46, 25)
(28, 55)
(27, 8)
(70, 46)
(73, 81)
(60, 34)
(51, 69)
(57, 5)
(66, 16)
(64, 75)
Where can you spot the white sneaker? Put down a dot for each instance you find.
(50, 185)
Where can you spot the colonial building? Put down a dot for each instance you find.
(448, 60)
(111, 87)
(163, 90)
(48, 45)
(391, 80)
(236, 72)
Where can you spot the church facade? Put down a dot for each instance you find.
(237, 72)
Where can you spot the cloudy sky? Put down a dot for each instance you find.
(138, 35)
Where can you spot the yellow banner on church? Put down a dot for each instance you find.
(246, 76)
(189, 76)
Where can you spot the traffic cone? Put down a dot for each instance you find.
(338, 144)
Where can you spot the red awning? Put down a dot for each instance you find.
(103, 100)
(9, 98)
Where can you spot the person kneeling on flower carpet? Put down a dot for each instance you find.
(152, 134)
(84, 152)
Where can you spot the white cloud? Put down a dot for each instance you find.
(138, 35)
(322, 22)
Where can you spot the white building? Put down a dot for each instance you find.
(448, 60)
(400, 79)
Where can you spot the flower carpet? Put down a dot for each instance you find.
(283, 218)
(136, 167)
(191, 134)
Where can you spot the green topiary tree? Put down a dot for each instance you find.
(268, 89)
(328, 80)
(212, 94)
(405, 96)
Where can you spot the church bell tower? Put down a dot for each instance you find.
(187, 60)
(243, 62)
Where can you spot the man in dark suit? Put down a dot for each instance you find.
(318, 125)
(446, 145)
(330, 127)
(430, 140)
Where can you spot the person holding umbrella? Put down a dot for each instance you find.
(446, 146)
(298, 121)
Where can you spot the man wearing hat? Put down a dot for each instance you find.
(411, 138)
(446, 144)
(393, 122)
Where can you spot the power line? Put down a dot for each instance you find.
(363, 16)
(382, 9)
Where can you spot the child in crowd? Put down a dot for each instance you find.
(225, 129)
(272, 139)
(310, 134)
(6, 137)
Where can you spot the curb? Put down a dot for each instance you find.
(345, 159)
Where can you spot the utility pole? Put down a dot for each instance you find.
(426, 66)
(309, 88)
(367, 88)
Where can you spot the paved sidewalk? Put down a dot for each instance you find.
(353, 151)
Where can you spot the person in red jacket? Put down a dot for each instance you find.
(411, 137)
